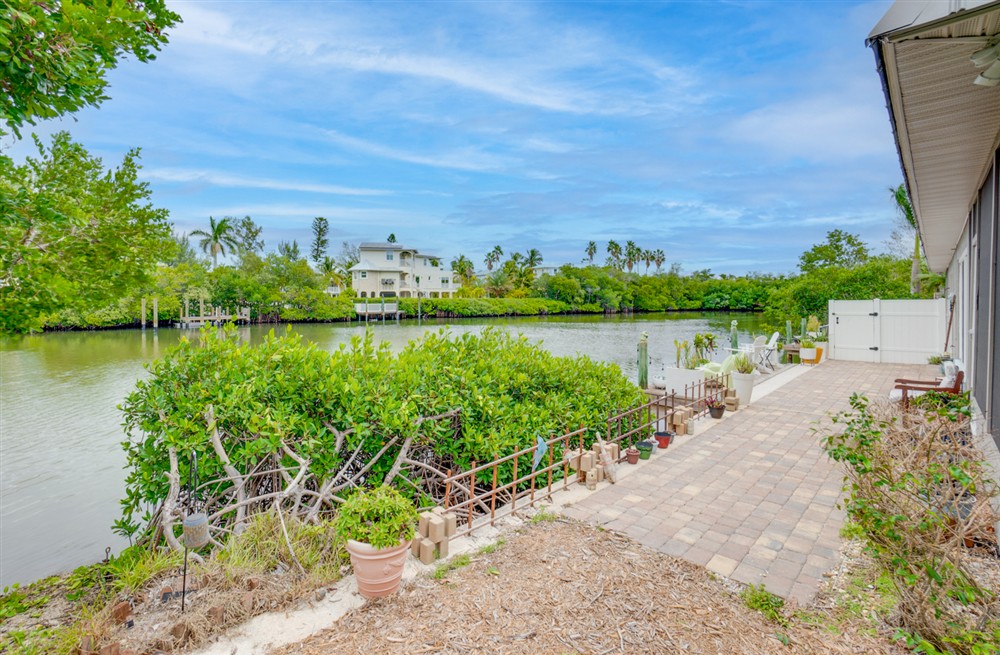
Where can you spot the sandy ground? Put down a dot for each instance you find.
(565, 587)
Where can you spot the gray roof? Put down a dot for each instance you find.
(945, 126)
(906, 15)
(382, 245)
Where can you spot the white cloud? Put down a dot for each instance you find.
(466, 159)
(228, 180)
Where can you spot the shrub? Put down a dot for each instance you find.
(380, 518)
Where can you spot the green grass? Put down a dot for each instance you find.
(756, 597)
(544, 516)
(457, 562)
(489, 549)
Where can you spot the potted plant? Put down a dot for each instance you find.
(743, 377)
(378, 526)
(807, 350)
(663, 438)
(716, 406)
(632, 455)
(645, 449)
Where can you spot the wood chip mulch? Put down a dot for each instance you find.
(566, 587)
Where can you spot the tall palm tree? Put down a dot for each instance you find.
(614, 254)
(658, 258)
(591, 251)
(905, 211)
(533, 259)
(632, 253)
(647, 256)
(219, 236)
(493, 257)
(462, 267)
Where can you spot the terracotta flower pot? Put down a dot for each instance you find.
(379, 572)
(632, 456)
(663, 439)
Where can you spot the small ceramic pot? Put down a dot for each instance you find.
(632, 456)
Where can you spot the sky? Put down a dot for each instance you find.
(731, 135)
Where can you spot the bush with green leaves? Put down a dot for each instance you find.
(380, 517)
(301, 425)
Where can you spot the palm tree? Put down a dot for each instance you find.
(632, 253)
(493, 257)
(332, 272)
(658, 258)
(591, 251)
(463, 268)
(614, 254)
(533, 259)
(219, 236)
(647, 256)
(905, 211)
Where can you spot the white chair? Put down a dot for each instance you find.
(764, 355)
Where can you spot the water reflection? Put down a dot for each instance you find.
(61, 461)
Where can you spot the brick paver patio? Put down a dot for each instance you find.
(753, 496)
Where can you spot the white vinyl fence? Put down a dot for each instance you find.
(887, 331)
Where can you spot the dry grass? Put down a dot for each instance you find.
(565, 587)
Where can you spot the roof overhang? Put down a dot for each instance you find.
(946, 127)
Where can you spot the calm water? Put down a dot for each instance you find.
(61, 462)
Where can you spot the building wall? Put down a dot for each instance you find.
(973, 278)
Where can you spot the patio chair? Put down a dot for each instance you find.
(764, 356)
(907, 389)
(713, 369)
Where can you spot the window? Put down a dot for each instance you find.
(364, 274)
(388, 256)
(444, 281)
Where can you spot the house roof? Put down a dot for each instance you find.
(382, 245)
(946, 127)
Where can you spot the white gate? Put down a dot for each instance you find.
(888, 331)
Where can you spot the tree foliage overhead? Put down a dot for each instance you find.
(54, 54)
(72, 233)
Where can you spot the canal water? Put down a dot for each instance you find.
(61, 462)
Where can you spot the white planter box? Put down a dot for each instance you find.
(743, 383)
(675, 379)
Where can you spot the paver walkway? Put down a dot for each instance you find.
(752, 496)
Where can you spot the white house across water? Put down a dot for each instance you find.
(389, 270)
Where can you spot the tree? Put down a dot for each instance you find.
(658, 258)
(332, 272)
(533, 259)
(289, 251)
(218, 237)
(462, 267)
(614, 254)
(73, 234)
(632, 254)
(493, 257)
(648, 257)
(905, 211)
(246, 233)
(56, 54)
(591, 251)
(392, 237)
(320, 228)
(841, 249)
(349, 255)
(183, 253)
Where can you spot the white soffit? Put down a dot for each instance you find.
(947, 128)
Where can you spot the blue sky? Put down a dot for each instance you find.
(733, 135)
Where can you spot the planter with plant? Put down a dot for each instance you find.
(632, 455)
(743, 376)
(807, 350)
(645, 449)
(716, 406)
(378, 526)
